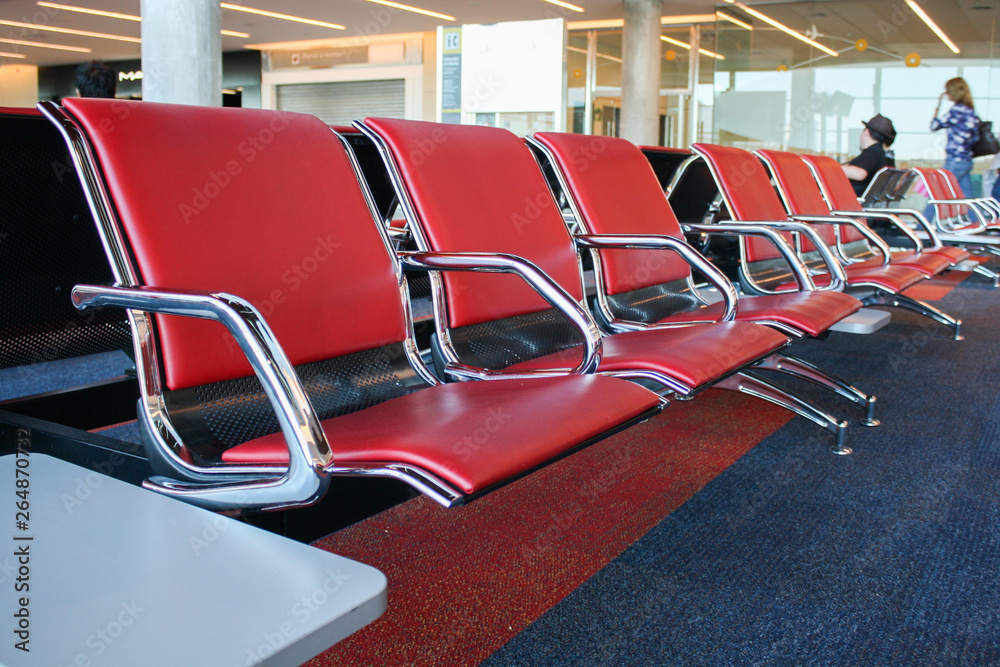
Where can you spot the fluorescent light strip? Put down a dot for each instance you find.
(286, 17)
(565, 5)
(40, 45)
(784, 28)
(69, 31)
(125, 17)
(599, 54)
(933, 26)
(704, 52)
(732, 19)
(4, 54)
(85, 10)
(415, 10)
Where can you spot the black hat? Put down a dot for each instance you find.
(882, 125)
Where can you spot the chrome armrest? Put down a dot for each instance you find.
(658, 242)
(767, 230)
(838, 278)
(547, 288)
(920, 218)
(866, 231)
(309, 454)
(922, 222)
(888, 216)
(973, 204)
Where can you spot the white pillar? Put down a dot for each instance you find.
(640, 116)
(182, 51)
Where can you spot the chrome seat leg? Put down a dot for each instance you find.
(925, 309)
(989, 274)
(748, 383)
(800, 368)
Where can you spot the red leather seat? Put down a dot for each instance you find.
(749, 195)
(456, 203)
(224, 208)
(473, 434)
(836, 194)
(615, 194)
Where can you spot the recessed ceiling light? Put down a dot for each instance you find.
(732, 19)
(285, 17)
(86, 10)
(70, 31)
(416, 10)
(117, 15)
(784, 28)
(565, 5)
(4, 54)
(40, 45)
(683, 45)
(932, 25)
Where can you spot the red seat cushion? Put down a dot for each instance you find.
(954, 255)
(926, 263)
(890, 278)
(809, 312)
(695, 355)
(473, 434)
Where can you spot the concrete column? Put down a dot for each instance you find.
(182, 51)
(640, 116)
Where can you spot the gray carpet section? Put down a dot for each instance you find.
(793, 556)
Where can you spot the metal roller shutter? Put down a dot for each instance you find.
(340, 102)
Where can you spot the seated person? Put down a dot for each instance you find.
(876, 138)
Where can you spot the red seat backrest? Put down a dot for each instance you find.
(479, 189)
(836, 188)
(617, 192)
(264, 205)
(747, 191)
(799, 190)
(937, 187)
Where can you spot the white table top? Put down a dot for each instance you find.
(124, 576)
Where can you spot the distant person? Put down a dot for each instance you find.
(96, 79)
(963, 131)
(876, 138)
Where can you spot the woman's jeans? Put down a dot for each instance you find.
(963, 172)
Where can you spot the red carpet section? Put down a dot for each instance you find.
(462, 582)
(937, 287)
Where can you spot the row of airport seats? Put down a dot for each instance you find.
(267, 294)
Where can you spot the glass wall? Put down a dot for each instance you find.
(775, 91)
(594, 79)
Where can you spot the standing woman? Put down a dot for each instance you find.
(963, 130)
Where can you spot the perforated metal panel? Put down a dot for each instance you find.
(48, 244)
(653, 303)
(501, 343)
(214, 417)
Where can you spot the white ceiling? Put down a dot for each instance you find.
(968, 21)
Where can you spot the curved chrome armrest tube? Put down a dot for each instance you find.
(838, 278)
(889, 217)
(547, 288)
(766, 230)
(896, 214)
(306, 479)
(865, 231)
(686, 252)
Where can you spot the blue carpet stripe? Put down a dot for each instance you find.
(795, 557)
